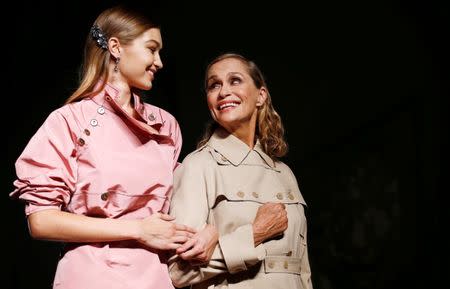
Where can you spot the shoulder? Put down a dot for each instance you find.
(198, 157)
(283, 167)
(286, 172)
(60, 114)
(67, 111)
(194, 165)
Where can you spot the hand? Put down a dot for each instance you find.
(270, 221)
(157, 231)
(199, 249)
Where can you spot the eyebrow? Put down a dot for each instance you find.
(228, 75)
(211, 77)
(235, 73)
(155, 41)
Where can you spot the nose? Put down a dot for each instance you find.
(158, 62)
(224, 91)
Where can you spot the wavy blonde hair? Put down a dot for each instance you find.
(269, 128)
(120, 22)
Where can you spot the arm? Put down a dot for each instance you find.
(236, 250)
(47, 177)
(155, 231)
(190, 205)
(270, 221)
(305, 272)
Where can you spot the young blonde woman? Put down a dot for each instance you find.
(98, 173)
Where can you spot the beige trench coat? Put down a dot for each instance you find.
(224, 183)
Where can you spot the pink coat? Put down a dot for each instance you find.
(91, 158)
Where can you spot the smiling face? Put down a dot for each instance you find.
(232, 96)
(140, 60)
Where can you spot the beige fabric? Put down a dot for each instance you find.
(224, 183)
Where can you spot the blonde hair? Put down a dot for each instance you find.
(269, 128)
(120, 22)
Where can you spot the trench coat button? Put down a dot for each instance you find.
(94, 122)
(101, 110)
(240, 194)
(151, 117)
(104, 196)
(87, 132)
(285, 264)
(291, 196)
(255, 194)
(81, 141)
(270, 265)
(279, 196)
(289, 254)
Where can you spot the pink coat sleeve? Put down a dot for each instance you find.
(46, 169)
(177, 139)
(178, 143)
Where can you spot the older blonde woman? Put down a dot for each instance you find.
(245, 202)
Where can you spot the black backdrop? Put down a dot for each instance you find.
(362, 88)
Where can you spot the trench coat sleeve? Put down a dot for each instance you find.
(238, 249)
(305, 271)
(46, 169)
(190, 206)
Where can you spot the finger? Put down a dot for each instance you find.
(166, 217)
(189, 235)
(185, 228)
(196, 250)
(172, 246)
(184, 233)
(281, 205)
(186, 246)
(180, 239)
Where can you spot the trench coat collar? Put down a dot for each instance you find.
(234, 150)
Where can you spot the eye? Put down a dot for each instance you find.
(152, 49)
(213, 85)
(235, 80)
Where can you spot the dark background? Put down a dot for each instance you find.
(362, 88)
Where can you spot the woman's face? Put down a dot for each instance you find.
(233, 99)
(140, 60)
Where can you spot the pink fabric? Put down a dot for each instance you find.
(105, 165)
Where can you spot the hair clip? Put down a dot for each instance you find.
(99, 37)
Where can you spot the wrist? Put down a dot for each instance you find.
(258, 236)
(133, 230)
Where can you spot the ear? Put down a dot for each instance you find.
(114, 47)
(262, 96)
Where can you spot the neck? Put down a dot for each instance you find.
(246, 133)
(124, 95)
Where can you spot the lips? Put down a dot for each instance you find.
(151, 72)
(227, 104)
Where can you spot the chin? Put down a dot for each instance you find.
(145, 86)
(226, 122)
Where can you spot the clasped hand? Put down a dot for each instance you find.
(200, 247)
(158, 231)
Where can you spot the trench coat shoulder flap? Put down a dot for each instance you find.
(276, 186)
(285, 197)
